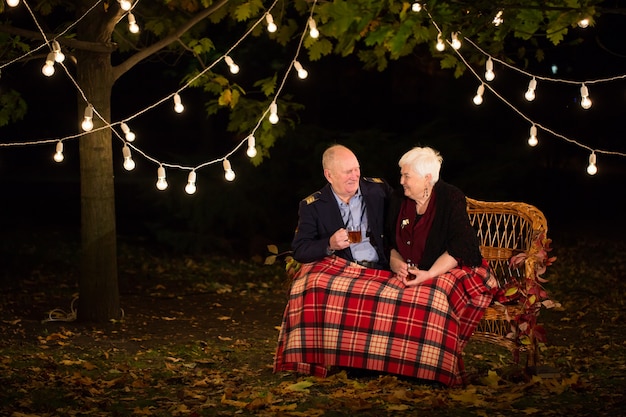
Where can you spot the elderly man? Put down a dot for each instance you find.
(347, 203)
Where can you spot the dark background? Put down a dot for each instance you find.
(379, 115)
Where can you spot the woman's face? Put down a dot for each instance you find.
(412, 182)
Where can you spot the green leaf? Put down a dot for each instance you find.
(300, 386)
(268, 85)
(243, 12)
(511, 291)
(319, 48)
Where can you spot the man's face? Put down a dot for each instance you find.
(344, 174)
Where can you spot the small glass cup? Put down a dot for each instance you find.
(411, 266)
(354, 234)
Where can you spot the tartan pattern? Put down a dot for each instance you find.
(341, 314)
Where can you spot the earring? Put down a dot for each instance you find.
(425, 192)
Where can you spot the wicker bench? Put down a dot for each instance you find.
(506, 229)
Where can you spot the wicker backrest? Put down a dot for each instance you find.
(505, 229)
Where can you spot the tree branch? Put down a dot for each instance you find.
(125, 66)
(70, 42)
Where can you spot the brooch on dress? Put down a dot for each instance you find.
(405, 222)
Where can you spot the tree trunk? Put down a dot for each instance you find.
(98, 283)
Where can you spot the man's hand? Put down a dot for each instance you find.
(339, 240)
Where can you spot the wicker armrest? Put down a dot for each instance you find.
(506, 229)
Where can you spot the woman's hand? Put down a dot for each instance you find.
(415, 276)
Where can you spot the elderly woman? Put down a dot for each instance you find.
(429, 224)
(413, 321)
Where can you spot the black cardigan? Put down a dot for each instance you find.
(451, 230)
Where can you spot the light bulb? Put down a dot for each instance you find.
(129, 164)
(178, 105)
(585, 101)
(271, 26)
(133, 27)
(498, 20)
(58, 156)
(530, 93)
(489, 74)
(532, 140)
(478, 98)
(234, 68)
(87, 124)
(48, 68)
(416, 7)
(229, 174)
(190, 188)
(313, 32)
(592, 168)
(302, 73)
(13, 3)
(440, 44)
(273, 113)
(251, 152)
(583, 23)
(58, 55)
(456, 43)
(161, 183)
(125, 4)
(128, 134)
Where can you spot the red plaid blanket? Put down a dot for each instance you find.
(340, 314)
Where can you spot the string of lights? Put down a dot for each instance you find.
(129, 136)
(530, 95)
(55, 57)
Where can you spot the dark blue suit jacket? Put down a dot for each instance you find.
(319, 218)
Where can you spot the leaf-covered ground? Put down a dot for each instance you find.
(198, 337)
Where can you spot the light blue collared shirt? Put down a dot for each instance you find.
(354, 214)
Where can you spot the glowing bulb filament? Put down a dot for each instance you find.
(271, 26)
(125, 5)
(87, 124)
(128, 134)
(440, 43)
(313, 32)
(532, 140)
(302, 73)
(583, 23)
(251, 152)
(178, 105)
(498, 20)
(530, 93)
(585, 101)
(489, 74)
(229, 174)
(58, 55)
(478, 98)
(234, 68)
(592, 168)
(273, 113)
(456, 43)
(48, 68)
(133, 27)
(161, 183)
(58, 156)
(190, 188)
(129, 164)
